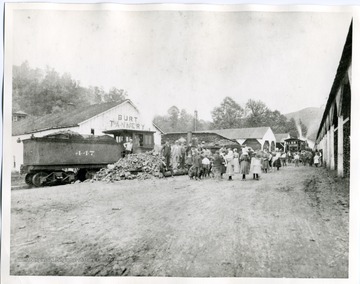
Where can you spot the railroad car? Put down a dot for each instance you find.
(65, 158)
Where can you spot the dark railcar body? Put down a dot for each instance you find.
(52, 151)
(47, 160)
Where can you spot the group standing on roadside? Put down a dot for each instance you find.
(199, 161)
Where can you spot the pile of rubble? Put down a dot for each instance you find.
(134, 166)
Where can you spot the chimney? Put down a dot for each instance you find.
(195, 120)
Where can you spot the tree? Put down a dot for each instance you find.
(163, 122)
(276, 121)
(115, 95)
(227, 115)
(185, 121)
(39, 92)
(174, 117)
(257, 113)
(97, 95)
(25, 86)
(179, 121)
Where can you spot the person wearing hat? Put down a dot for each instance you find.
(183, 155)
(128, 147)
(265, 161)
(196, 164)
(218, 161)
(256, 165)
(229, 158)
(166, 152)
(236, 162)
(175, 155)
(244, 164)
(277, 160)
(164, 168)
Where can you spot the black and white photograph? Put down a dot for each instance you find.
(166, 141)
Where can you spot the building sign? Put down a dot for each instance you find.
(127, 122)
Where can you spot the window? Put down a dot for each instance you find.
(141, 139)
(148, 140)
(92, 131)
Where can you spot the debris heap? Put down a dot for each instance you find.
(133, 166)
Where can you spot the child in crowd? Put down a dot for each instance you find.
(197, 164)
(206, 166)
(244, 164)
(283, 159)
(296, 159)
(316, 159)
(265, 161)
(256, 165)
(188, 161)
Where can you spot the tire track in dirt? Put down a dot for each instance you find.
(180, 227)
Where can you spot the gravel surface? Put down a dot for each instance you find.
(290, 223)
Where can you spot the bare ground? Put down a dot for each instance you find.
(291, 223)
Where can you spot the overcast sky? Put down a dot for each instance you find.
(189, 59)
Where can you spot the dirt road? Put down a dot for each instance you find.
(291, 223)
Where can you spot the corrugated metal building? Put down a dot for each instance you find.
(333, 137)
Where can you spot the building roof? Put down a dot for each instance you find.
(243, 133)
(20, 112)
(344, 65)
(234, 133)
(294, 139)
(158, 128)
(61, 120)
(223, 141)
(280, 137)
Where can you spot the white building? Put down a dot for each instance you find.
(333, 138)
(258, 138)
(122, 120)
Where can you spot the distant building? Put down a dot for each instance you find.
(258, 138)
(295, 144)
(333, 137)
(18, 115)
(213, 141)
(280, 140)
(121, 120)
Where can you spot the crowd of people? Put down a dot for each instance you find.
(200, 162)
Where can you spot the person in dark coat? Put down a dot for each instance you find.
(183, 155)
(166, 152)
(218, 161)
(244, 164)
(197, 164)
(164, 168)
(223, 165)
(277, 161)
(265, 161)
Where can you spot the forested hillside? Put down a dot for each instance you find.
(38, 92)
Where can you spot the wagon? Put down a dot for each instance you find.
(64, 158)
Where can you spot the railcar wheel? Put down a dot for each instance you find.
(69, 176)
(28, 179)
(90, 174)
(38, 179)
(81, 175)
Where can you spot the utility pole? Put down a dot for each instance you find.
(195, 120)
